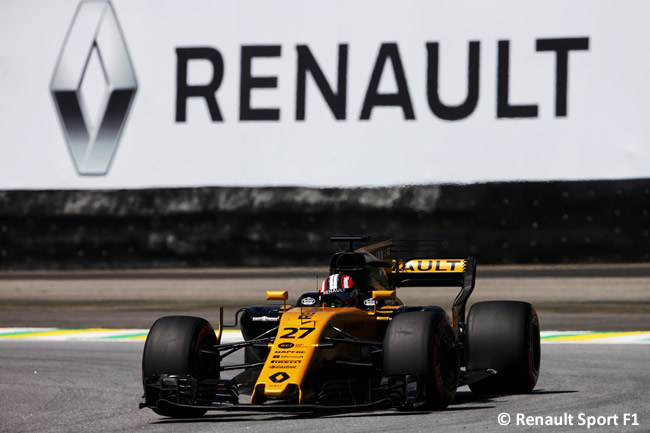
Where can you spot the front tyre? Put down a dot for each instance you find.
(422, 344)
(504, 336)
(174, 346)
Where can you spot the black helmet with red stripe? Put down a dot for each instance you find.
(339, 290)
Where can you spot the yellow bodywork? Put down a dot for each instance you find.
(295, 351)
(384, 295)
(277, 295)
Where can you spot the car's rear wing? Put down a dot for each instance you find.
(429, 272)
(421, 272)
(421, 269)
(424, 268)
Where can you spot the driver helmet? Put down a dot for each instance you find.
(339, 289)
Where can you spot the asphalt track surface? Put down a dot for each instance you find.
(91, 386)
(569, 297)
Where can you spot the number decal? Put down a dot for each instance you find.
(307, 332)
(291, 332)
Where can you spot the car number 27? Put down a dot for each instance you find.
(291, 332)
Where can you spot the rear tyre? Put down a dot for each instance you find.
(422, 344)
(174, 346)
(504, 336)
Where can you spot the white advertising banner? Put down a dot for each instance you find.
(161, 93)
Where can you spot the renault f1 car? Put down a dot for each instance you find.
(331, 353)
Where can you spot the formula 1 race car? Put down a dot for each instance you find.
(351, 346)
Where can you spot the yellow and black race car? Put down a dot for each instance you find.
(351, 346)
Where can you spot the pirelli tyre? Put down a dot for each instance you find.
(422, 344)
(173, 346)
(504, 336)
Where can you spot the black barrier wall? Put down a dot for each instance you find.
(532, 222)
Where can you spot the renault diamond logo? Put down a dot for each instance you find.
(94, 44)
(279, 377)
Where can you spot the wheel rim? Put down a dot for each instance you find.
(449, 363)
(205, 338)
(534, 349)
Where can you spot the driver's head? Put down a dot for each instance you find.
(339, 289)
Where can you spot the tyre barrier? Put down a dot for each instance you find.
(526, 222)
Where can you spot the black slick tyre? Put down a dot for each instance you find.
(504, 336)
(422, 344)
(173, 346)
